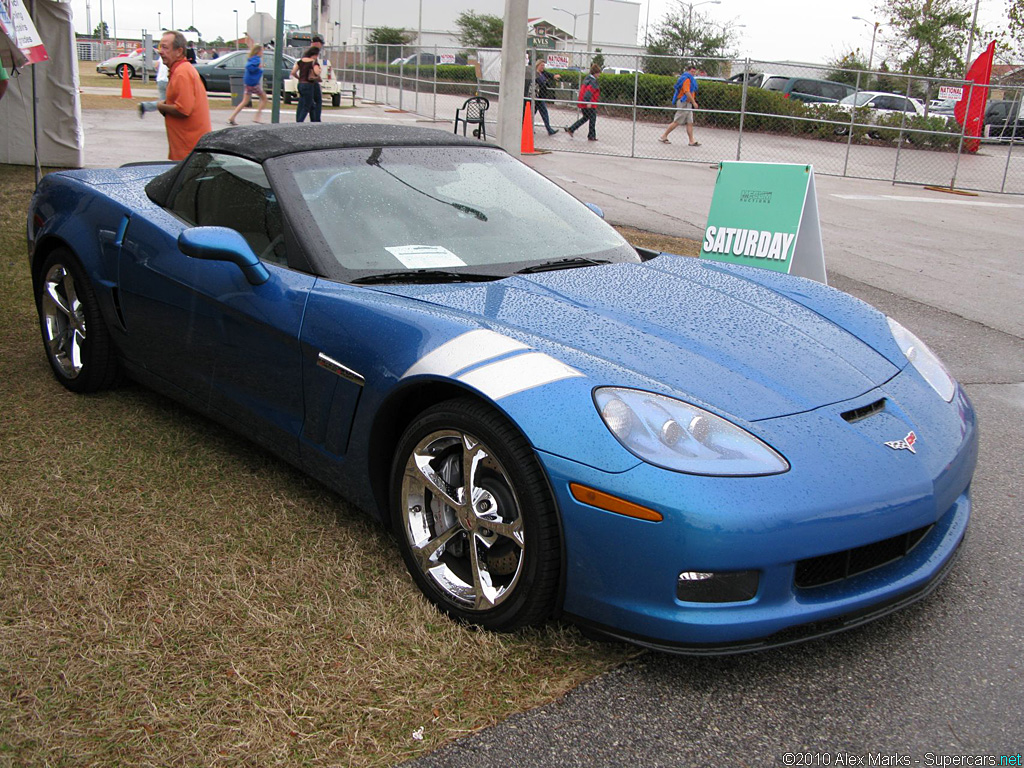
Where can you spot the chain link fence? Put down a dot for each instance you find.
(871, 125)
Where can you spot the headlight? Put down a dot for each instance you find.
(675, 435)
(926, 361)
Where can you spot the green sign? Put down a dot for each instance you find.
(537, 41)
(766, 215)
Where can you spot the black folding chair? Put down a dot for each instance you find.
(472, 113)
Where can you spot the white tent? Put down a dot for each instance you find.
(51, 132)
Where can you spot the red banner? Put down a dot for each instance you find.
(970, 110)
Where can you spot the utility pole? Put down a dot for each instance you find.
(590, 31)
(513, 76)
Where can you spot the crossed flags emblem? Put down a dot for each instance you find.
(906, 444)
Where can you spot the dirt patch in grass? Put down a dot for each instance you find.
(173, 595)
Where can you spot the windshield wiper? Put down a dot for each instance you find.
(424, 276)
(550, 266)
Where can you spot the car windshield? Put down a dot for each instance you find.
(858, 99)
(438, 208)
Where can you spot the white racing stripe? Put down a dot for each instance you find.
(517, 374)
(470, 352)
(471, 348)
(937, 200)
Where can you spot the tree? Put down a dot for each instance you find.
(688, 38)
(480, 30)
(194, 31)
(927, 37)
(846, 67)
(1012, 35)
(382, 38)
(102, 31)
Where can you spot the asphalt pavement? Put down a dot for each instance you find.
(934, 683)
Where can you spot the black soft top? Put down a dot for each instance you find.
(262, 142)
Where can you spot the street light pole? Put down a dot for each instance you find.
(874, 31)
(576, 16)
(970, 41)
(689, 20)
(236, 29)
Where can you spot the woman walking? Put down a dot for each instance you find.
(253, 81)
(590, 94)
(544, 82)
(307, 69)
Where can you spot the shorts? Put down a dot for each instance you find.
(683, 114)
(255, 90)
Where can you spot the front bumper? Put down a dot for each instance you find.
(841, 494)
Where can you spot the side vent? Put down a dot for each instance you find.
(115, 295)
(859, 414)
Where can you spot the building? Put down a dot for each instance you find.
(616, 22)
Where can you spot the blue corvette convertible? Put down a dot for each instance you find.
(687, 455)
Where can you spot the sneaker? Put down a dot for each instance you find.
(591, 138)
(142, 112)
(552, 131)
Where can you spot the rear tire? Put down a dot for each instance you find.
(485, 549)
(76, 340)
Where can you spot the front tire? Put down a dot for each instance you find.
(474, 518)
(76, 340)
(120, 71)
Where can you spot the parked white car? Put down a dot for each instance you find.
(133, 62)
(329, 85)
(882, 103)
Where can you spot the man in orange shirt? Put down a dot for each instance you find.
(186, 110)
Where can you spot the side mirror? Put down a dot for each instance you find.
(595, 209)
(223, 244)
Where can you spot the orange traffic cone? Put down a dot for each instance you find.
(126, 83)
(527, 144)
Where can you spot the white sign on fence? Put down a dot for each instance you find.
(447, 58)
(954, 92)
(557, 61)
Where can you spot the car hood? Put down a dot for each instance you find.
(710, 334)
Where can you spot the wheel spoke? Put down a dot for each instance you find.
(513, 530)
(472, 454)
(425, 552)
(481, 579)
(426, 474)
(58, 300)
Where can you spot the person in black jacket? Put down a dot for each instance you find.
(544, 82)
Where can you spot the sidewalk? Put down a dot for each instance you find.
(959, 254)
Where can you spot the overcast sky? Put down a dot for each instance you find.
(798, 30)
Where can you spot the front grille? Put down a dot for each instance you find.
(826, 569)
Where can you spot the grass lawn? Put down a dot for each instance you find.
(174, 595)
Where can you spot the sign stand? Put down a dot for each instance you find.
(766, 215)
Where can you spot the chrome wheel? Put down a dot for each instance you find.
(475, 518)
(76, 339)
(462, 520)
(63, 320)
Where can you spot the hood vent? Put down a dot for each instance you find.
(859, 414)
